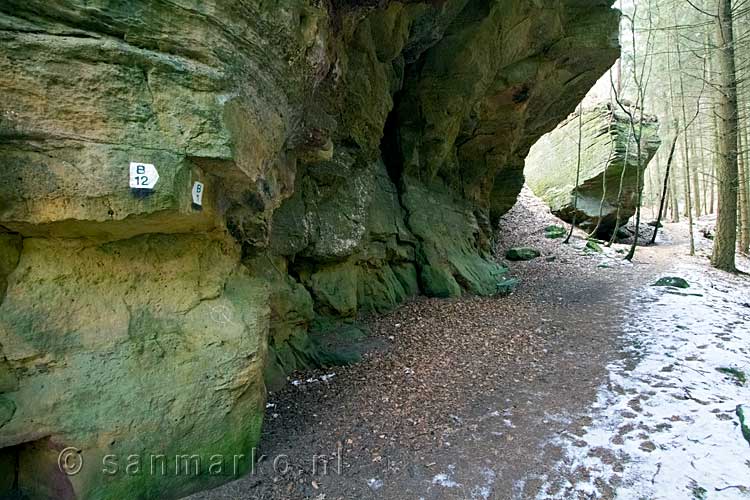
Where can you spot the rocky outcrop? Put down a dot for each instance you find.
(610, 166)
(350, 154)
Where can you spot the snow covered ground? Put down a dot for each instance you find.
(665, 426)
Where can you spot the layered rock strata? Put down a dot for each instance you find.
(349, 155)
(612, 167)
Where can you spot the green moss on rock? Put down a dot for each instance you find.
(555, 232)
(288, 112)
(744, 426)
(451, 253)
(522, 253)
(593, 246)
(172, 317)
(673, 281)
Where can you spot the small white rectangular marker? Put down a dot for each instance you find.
(143, 175)
(198, 193)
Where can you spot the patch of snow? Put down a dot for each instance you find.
(313, 380)
(664, 424)
(445, 481)
(484, 491)
(375, 484)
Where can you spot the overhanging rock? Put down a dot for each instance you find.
(350, 154)
(610, 166)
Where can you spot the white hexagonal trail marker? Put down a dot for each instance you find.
(143, 175)
(198, 193)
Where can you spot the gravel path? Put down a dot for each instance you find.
(475, 398)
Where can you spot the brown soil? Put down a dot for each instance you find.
(468, 391)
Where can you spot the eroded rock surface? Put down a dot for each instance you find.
(352, 155)
(610, 167)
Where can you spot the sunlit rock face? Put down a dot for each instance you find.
(350, 155)
(611, 166)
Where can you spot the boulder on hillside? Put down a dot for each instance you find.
(609, 156)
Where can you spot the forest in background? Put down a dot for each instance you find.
(687, 61)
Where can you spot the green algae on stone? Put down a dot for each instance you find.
(554, 232)
(291, 307)
(451, 255)
(281, 111)
(738, 375)
(672, 281)
(744, 426)
(338, 342)
(10, 251)
(507, 286)
(593, 246)
(334, 288)
(379, 290)
(522, 253)
(7, 410)
(173, 316)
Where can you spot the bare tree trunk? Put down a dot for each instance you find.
(619, 191)
(688, 206)
(664, 191)
(744, 223)
(675, 199)
(638, 183)
(746, 162)
(717, 156)
(674, 192)
(651, 184)
(578, 172)
(713, 189)
(725, 241)
(704, 177)
(696, 184)
(640, 101)
(613, 141)
(685, 150)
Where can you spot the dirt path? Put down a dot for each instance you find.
(665, 424)
(481, 398)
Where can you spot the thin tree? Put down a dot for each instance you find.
(685, 149)
(664, 190)
(578, 173)
(641, 83)
(619, 192)
(746, 142)
(744, 223)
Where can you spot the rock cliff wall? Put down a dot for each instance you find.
(351, 154)
(610, 167)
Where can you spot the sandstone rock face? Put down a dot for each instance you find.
(112, 345)
(351, 155)
(609, 157)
